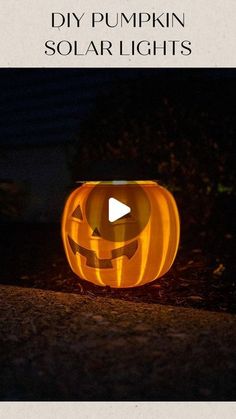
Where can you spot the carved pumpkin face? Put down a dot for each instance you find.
(131, 251)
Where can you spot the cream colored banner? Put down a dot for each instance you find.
(118, 410)
(124, 33)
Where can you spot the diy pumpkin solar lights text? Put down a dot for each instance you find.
(131, 41)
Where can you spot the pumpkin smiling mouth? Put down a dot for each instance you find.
(94, 262)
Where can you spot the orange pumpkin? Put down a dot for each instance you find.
(131, 251)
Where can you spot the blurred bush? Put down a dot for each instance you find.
(182, 133)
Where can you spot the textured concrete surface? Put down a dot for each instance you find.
(58, 346)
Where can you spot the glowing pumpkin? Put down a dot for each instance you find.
(131, 251)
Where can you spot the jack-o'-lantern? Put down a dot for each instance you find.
(132, 248)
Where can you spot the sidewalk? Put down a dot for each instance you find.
(59, 346)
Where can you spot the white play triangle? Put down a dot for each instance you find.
(117, 209)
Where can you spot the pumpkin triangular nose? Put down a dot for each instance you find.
(96, 233)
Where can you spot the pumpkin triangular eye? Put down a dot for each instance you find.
(96, 233)
(77, 213)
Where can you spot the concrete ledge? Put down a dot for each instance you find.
(58, 346)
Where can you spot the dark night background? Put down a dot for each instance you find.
(176, 126)
(60, 125)
(84, 342)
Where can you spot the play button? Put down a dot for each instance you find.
(117, 210)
